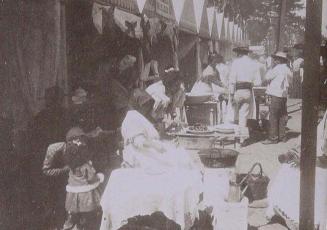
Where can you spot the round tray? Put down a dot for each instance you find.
(225, 128)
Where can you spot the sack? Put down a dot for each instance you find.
(257, 184)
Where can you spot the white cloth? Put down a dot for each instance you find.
(201, 87)
(284, 194)
(157, 91)
(133, 192)
(279, 78)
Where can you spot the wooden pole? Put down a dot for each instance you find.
(281, 24)
(310, 90)
(198, 59)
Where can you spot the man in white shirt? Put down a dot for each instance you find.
(278, 77)
(244, 74)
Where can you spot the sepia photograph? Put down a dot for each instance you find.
(163, 114)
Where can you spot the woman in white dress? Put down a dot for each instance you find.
(154, 163)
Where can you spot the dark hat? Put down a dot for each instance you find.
(73, 133)
(242, 49)
(299, 46)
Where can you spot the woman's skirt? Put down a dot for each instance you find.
(83, 202)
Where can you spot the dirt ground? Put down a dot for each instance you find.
(267, 155)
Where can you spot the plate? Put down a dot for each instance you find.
(225, 128)
(209, 131)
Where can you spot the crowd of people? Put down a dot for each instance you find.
(120, 122)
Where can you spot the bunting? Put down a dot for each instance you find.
(210, 12)
(140, 5)
(198, 9)
(97, 16)
(220, 21)
(178, 6)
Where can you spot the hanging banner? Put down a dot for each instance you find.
(140, 5)
(220, 21)
(128, 23)
(226, 24)
(97, 16)
(231, 30)
(198, 10)
(210, 12)
(178, 6)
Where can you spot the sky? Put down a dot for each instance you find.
(324, 16)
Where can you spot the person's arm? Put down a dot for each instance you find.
(270, 75)
(48, 165)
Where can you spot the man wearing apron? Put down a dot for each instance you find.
(244, 74)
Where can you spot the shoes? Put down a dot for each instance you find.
(269, 142)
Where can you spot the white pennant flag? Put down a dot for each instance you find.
(140, 5)
(198, 10)
(210, 12)
(97, 16)
(226, 27)
(220, 21)
(178, 6)
(231, 30)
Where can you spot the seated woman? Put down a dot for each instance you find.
(168, 178)
(210, 81)
(284, 194)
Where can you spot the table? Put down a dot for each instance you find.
(207, 113)
(132, 192)
(204, 141)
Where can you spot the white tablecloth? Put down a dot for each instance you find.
(284, 194)
(132, 192)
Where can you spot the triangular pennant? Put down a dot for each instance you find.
(210, 12)
(220, 21)
(178, 6)
(226, 24)
(198, 9)
(97, 16)
(231, 30)
(140, 5)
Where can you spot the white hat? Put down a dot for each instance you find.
(280, 54)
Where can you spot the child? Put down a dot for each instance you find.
(83, 195)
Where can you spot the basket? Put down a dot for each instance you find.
(218, 158)
(197, 99)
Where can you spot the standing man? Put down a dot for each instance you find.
(278, 77)
(244, 74)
